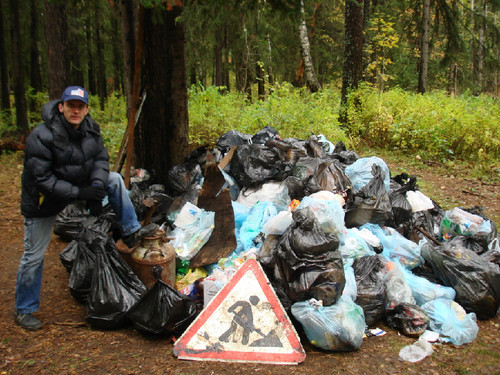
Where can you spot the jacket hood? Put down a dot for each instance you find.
(49, 110)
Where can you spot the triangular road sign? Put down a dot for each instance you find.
(244, 322)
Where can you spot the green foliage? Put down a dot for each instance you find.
(292, 112)
(434, 125)
(36, 101)
(113, 120)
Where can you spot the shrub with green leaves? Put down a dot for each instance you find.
(434, 125)
(292, 112)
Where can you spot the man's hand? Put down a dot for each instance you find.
(95, 207)
(96, 193)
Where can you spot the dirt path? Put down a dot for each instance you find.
(68, 345)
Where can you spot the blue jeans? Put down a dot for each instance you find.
(37, 232)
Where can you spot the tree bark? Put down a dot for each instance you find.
(56, 35)
(353, 51)
(18, 71)
(305, 50)
(4, 75)
(128, 16)
(36, 76)
(162, 137)
(424, 48)
(218, 74)
(100, 65)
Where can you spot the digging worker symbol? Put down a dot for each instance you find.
(243, 317)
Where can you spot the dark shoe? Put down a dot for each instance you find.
(27, 321)
(132, 239)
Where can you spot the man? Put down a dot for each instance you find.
(65, 160)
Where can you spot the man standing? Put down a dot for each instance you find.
(65, 160)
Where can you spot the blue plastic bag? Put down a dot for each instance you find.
(396, 247)
(339, 327)
(360, 172)
(450, 320)
(424, 290)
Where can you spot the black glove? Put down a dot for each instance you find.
(95, 207)
(92, 193)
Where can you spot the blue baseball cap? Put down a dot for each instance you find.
(75, 93)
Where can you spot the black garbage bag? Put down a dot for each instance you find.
(94, 235)
(344, 156)
(308, 260)
(401, 207)
(68, 255)
(474, 278)
(483, 238)
(370, 272)
(290, 149)
(314, 148)
(305, 167)
(295, 187)
(114, 291)
(163, 310)
(493, 253)
(426, 224)
(371, 204)
(329, 175)
(82, 269)
(182, 176)
(253, 165)
(409, 319)
(232, 138)
(264, 135)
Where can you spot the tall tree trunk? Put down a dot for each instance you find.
(128, 16)
(218, 74)
(4, 75)
(261, 80)
(480, 53)
(305, 50)
(18, 70)
(56, 35)
(36, 76)
(92, 88)
(117, 58)
(100, 65)
(269, 60)
(162, 137)
(353, 51)
(423, 70)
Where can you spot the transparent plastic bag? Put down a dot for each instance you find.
(450, 320)
(339, 327)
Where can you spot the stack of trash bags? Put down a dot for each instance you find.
(102, 280)
(344, 244)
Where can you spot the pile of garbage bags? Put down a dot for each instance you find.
(344, 244)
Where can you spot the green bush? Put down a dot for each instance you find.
(435, 125)
(292, 112)
(113, 120)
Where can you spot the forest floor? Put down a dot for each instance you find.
(68, 345)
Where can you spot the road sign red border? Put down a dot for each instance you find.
(298, 355)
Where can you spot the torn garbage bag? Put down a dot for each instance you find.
(338, 327)
(409, 319)
(115, 289)
(163, 310)
(308, 260)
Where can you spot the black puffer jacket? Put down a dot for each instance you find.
(58, 161)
